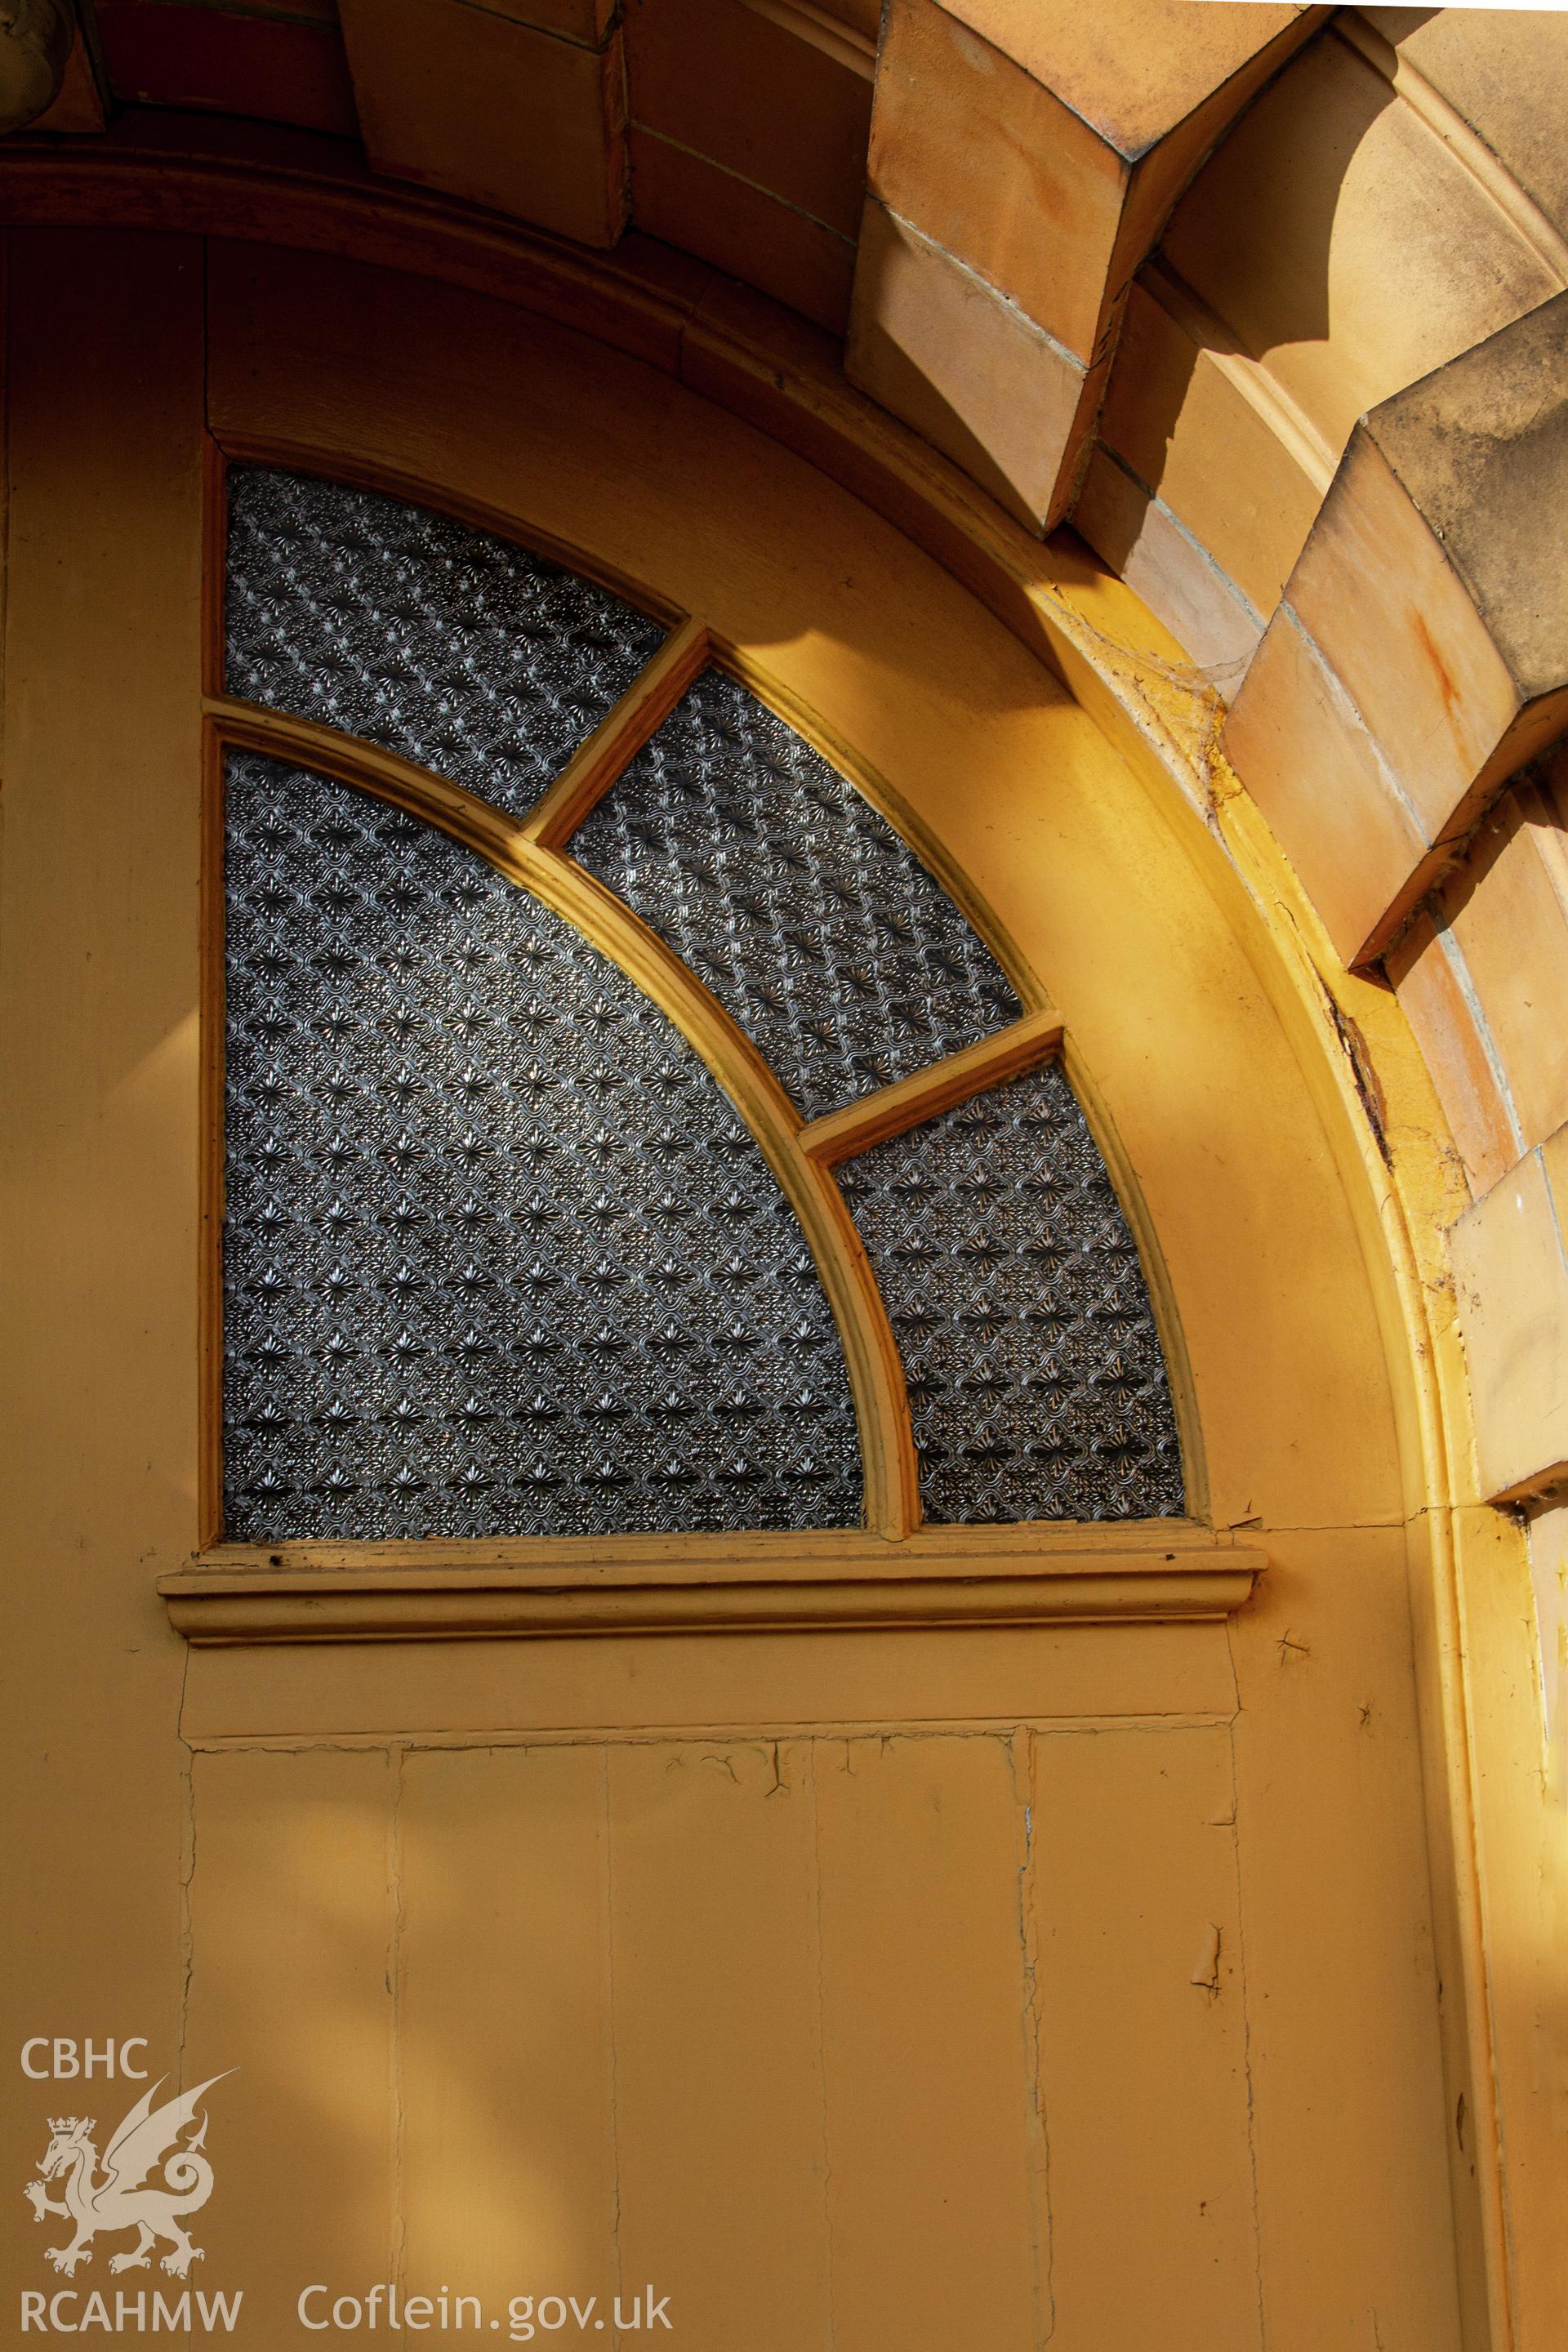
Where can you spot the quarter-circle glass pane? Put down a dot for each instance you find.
(499, 1258)
(1036, 1382)
(817, 928)
(449, 645)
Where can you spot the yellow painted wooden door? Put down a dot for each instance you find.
(920, 1938)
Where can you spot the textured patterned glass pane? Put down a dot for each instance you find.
(1037, 1383)
(499, 1257)
(815, 926)
(443, 644)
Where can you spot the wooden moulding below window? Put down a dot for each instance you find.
(530, 1589)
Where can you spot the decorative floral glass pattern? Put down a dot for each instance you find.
(818, 929)
(499, 1257)
(1037, 1386)
(446, 645)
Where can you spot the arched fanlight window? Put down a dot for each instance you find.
(509, 1249)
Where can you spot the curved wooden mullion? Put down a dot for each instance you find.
(870, 1352)
(477, 824)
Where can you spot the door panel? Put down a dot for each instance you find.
(859, 2039)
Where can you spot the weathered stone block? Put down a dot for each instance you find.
(530, 122)
(1432, 592)
(789, 117)
(1150, 547)
(1508, 908)
(950, 355)
(1189, 420)
(1040, 149)
(1510, 1277)
(1299, 745)
(1430, 980)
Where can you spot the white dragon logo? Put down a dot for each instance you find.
(147, 2138)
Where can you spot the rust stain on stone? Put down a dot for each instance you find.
(1448, 691)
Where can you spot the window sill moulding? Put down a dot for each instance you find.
(838, 1580)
